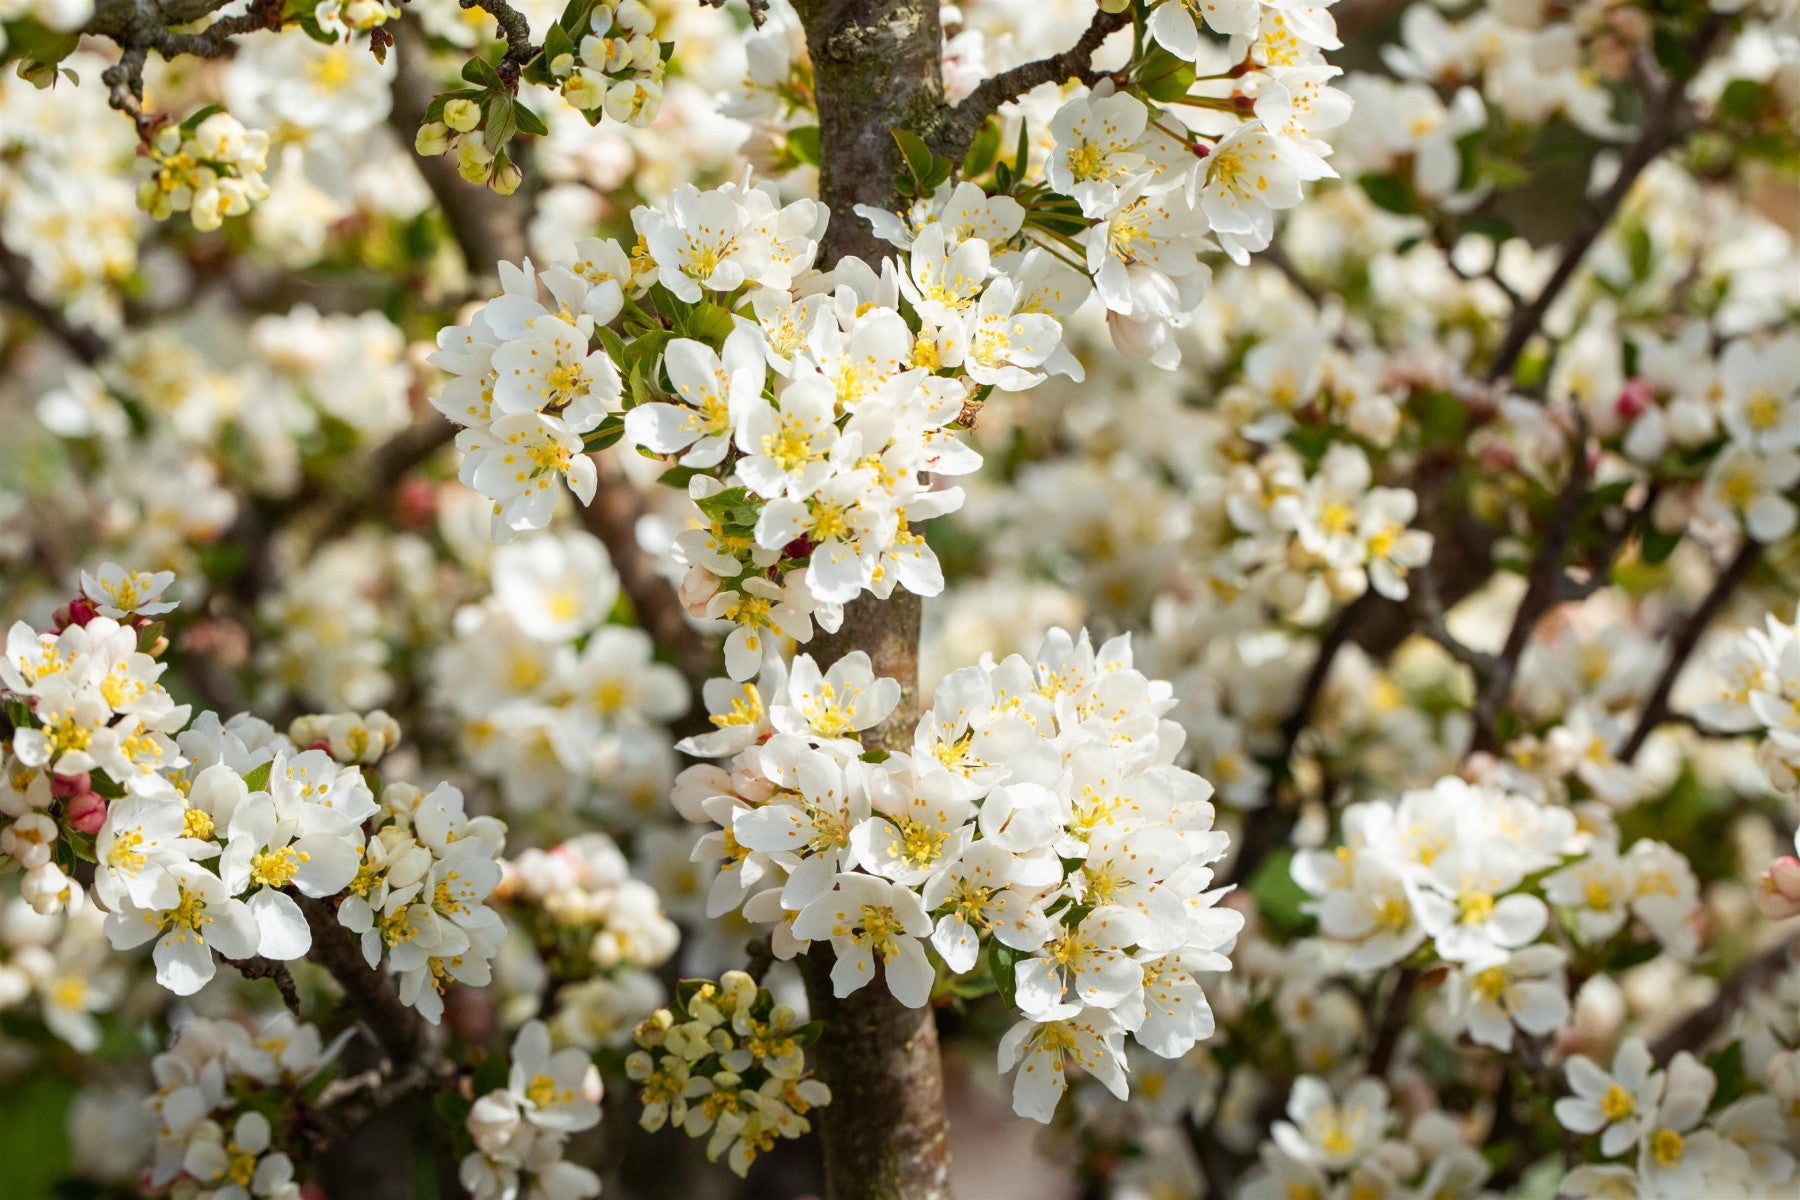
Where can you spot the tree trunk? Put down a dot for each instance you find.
(884, 1133)
(876, 68)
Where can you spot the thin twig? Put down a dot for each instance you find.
(960, 124)
(1687, 637)
(1544, 582)
(80, 341)
(266, 968)
(1665, 124)
(1693, 1031)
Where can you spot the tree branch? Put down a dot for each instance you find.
(85, 344)
(613, 518)
(959, 126)
(1692, 1031)
(1687, 637)
(266, 968)
(1543, 585)
(1665, 124)
(404, 1035)
(487, 229)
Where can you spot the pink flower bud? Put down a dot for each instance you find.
(87, 812)
(64, 786)
(78, 611)
(1635, 399)
(1778, 891)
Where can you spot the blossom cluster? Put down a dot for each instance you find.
(520, 1130)
(1342, 1138)
(223, 1100)
(1475, 871)
(90, 724)
(209, 167)
(1036, 826)
(570, 709)
(727, 1063)
(1679, 1133)
(600, 934)
(211, 840)
(1312, 542)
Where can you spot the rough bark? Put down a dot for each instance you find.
(884, 1134)
(876, 68)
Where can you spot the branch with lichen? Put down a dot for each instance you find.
(961, 123)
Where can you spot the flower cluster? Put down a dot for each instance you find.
(1311, 542)
(1037, 826)
(570, 709)
(418, 894)
(91, 727)
(209, 167)
(1680, 1134)
(64, 963)
(1475, 871)
(1341, 1140)
(617, 67)
(599, 933)
(519, 1130)
(224, 1096)
(1757, 691)
(727, 1063)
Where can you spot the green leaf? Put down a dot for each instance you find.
(984, 150)
(803, 144)
(1001, 959)
(1727, 1065)
(530, 122)
(501, 121)
(575, 16)
(809, 1033)
(480, 72)
(916, 154)
(1386, 191)
(604, 435)
(1655, 546)
(557, 43)
(193, 122)
(1165, 77)
(258, 778)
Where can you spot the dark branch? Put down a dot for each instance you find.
(80, 341)
(960, 124)
(1694, 1030)
(1543, 587)
(402, 1032)
(1681, 646)
(613, 518)
(1665, 125)
(266, 968)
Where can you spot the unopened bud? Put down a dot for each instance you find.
(462, 115)
(87, 812)
(1778, 891)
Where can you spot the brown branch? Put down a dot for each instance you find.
(959, 126)
(613, 518)
(1266, 828)
(1687, 637)
(759, 9)
(403, 1034)
(516, 29)
(1544, 583)
(1393, 1022)
(487, 229)
(266, 968)
(79, 340)
(1665, 125)
(1693, 1031)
